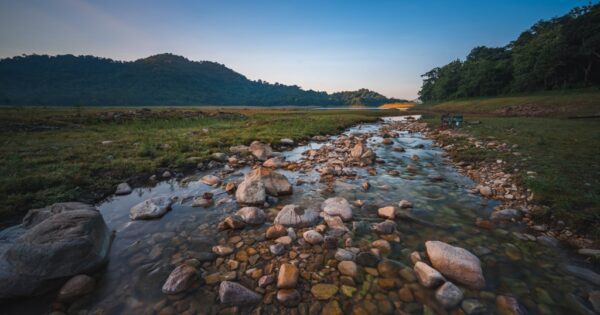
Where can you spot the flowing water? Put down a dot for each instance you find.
(144, 252)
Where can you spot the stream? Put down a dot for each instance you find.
(144, 252)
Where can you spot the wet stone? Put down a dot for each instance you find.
(276, 231)
(449, 295)
(385, 227)
(343, 254)
(287, 277)
(367, 259)
(428, 277)
(277, 249)
(180, 279)
(323, 291)
(348, 268)
(234, 293)
(313, 237)
(473, 307)
(289, 297)
(77, 286)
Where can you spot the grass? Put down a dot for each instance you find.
(564, 154)
(556, 104)
(56, 154)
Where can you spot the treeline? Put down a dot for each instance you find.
(560, 53)
(164, 79)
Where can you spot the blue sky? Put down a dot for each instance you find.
(323, 45)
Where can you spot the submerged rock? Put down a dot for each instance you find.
(211, 180)
(236, 294)
(152, 208)
(456, 263)
(324, 291)
(251, 192)
(428, 277)
(385, 227)
(180, 279)
(508, 305)
(313, 237)
(337, 206)
(296, 216)
(449, 295)
(506, 215)
(252, 215)
(289, 297)
(77, 286)
(288, 276)
(52, 244)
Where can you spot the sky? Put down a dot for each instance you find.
(325, 45)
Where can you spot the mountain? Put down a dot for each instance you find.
(164, 79)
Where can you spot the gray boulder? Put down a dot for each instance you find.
(51, 245)
(337, 206)
(152, 208)
(236, 294)
(296, 216)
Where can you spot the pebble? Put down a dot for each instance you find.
(289, 297)
(324, 291)
(313, 237)
(343, 254)
(348, 268)
(387, 212)
(222, 250)
(449, 295)
(404, 204)
(473, 307)
(75, 287)
(275, 231)
(287, 277)
(277, 249)
(428, 277)
(367, 259)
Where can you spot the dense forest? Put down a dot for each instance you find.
(164, 79)
(560, 53)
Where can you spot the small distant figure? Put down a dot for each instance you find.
(452, 121)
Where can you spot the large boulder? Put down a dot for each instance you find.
(52, 245)
(337, 206)
(296, 216)
(152, 208)
(251, 192)
(260, 150)
(275, 183)
(456, 263)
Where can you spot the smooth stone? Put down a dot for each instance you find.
(284, 240)
(211, 180)
(508, 305)
(251, 192)
(456, 263)
(277, 249)
(367, 259)
(265, 280)
(180, 279)
(222, 250)
(77, 286)
(324, 291)
(275, 184)
(276, 231)
(387, 213)
(404, 204)
(123, 189)
(337, 206)
(152, 208)
(236, 294)
(252, 215)
(506, 215)
(260, 150)
(296, 216)
(348, 290)
(332, 308)
(348, 268)
(388, 268)
(383, 245)
(385, 227)
(274, 162)
(449, 295)
(343, 254)
(313, 237)
(473, 307)
(594, 298)
(289, 297)
(428, 277)
(287, 277)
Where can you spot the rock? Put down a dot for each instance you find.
(222, 250)
(123, 189)
(337, 206)
(234, 222)
(367, 259)
(152, 208)
(506, 215)
(508, 305)
(324, 291)
(211, 180)
(335, 223)
(166, 174)
(594, 299)
(428, 277)
(387, 213)
(473, 307)
(343, 254)
(219, 156)
(448, 295)
(313, 237)
(589, 252)
(236, 294)
(260, 150)
(251, 192)
(348, 268)
(382, 245)
(275, 162)
(286, 141)
(252, 215)
(265, 280)
(239, 149)
(284, 240)
(52, 243)
(181, 279)
(330, 242)
(289, 297)
(585, 274)
(287, 277)
(485, 191)
(456, 263)
(357, 151)
(332, 308)
(200, 202)
(387, 141)
(385, 227)
(404, 204)
(275, 231)
(348, 290)
(275, 183)
(77, 286)
(277, 249)
(296, 216)
(388, 268)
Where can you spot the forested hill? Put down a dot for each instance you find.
(560, 53)
(164, 79)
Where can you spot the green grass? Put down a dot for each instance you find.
(40, 166)
(557, 104)
(564, 153)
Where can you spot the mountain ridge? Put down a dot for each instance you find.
(162, 79)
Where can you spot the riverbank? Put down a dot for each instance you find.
(61, 154)
(554, 159)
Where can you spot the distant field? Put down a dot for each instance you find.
(570, 103)
(563, 152)
(56, 154)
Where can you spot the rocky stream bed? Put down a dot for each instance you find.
(376, 220)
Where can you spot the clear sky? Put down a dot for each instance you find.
(322, 45)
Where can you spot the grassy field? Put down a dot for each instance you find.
(52, 155)
(554, 104)
(563, 152)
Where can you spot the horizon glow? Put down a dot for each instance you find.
(334, 46)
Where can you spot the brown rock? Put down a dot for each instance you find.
(456, 263)
(77, 286)
(289, 297)
(287, 277)
(276, 231)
